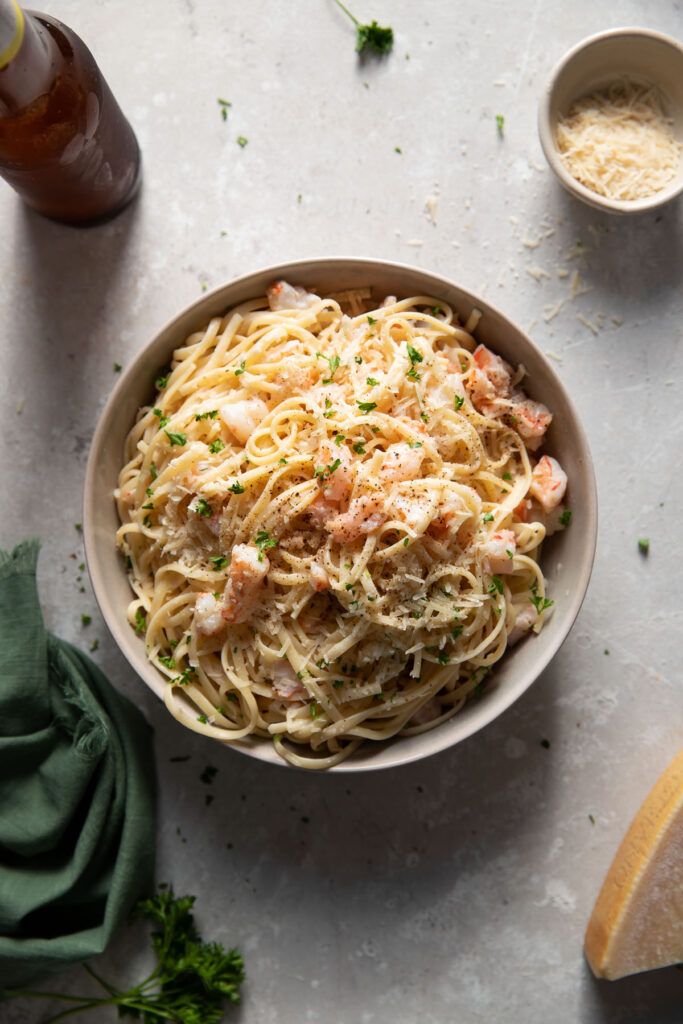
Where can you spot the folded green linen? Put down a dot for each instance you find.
(77, 792)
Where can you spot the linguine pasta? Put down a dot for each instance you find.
(332, 515)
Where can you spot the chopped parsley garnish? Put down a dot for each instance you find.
(329, 411)
(412, 374)
(367, 406)
(488, 517)
(359, 448)
(397, 149)
(424, 417)
(178, 438)
(163, 420)
(372, 36)
(94, 645)
(149, 492)
(372, 320)
(500, 124)
(202, 508)
(333, 363)
(153, 471)
(242, 141)
(263, 542)
(86, 620)
(509, 553)
(161, 381)
(455, 633)
(566, 517)
(140, 621)
(443, 658)
(185, 676)
(167, 661)
(203, 719)
(496, 585)
(338, 683)
(147, 521)
(414, 444)
(507, 476)
(358, 359)
(644, 545)
(339, 439)
(241, 368)
(458, 402)
(372, 382)
(539, 603)
(206, 415)
(218, 561)
(216, 446)
(282, 461)
(414, 355)
(236, 488)
(406, 542)
(117, 367)
(435, 310)
(225, 106)
(314, 710)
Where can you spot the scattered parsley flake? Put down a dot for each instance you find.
(372, 320)
(176, 438)
(314, 710)
(644, 545)
(372, 382)
(206, 415)
(216, 446)
(264, 542)
(507, 476)
(566, 517)
(117, 367)
(94, 645)
(358, 359)
(455, 633)
(236, 488)
(414, 444)
(86, 620)
(500, 124)
(540, 603)
(203, 719)
(424, 417)
(167, 661)
(496, 585)
(443, 658)
(241, 368)
(406, 542)
(202, 508)
(153, 471)
(140, 622)
(225, 106)
(414, 355)
(218, 561)
(161, 382)
(458, 402)
(359, 448)
(242, 141)
(488, 518)
(367, 406)
(397, 149)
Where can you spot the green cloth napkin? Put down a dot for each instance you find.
(77, 792)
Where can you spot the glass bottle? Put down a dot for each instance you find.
(65, 145)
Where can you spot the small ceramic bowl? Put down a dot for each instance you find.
(567, 557)
(594, 63)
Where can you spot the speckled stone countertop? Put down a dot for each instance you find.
(456, 890)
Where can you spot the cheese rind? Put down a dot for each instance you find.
(637, 920)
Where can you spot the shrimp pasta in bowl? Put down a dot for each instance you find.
(332, 514)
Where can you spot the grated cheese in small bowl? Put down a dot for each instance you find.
(619, 141)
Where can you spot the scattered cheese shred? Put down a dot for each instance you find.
(538, 273)
(619, 142)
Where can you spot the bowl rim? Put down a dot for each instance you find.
(547, 136)
(440, 739)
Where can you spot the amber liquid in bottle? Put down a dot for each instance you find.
(65, 145)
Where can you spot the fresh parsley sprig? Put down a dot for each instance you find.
(372, 36)
(190, 984)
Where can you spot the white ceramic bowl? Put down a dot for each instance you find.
(635, 53)
(567, 558)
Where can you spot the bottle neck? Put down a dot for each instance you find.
(26, 52)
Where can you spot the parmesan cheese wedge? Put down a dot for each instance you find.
(637, 920)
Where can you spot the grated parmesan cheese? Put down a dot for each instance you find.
(619, 142)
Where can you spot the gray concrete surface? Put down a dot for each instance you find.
(456, 890)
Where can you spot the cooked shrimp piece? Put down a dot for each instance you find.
(340, 480)
(498, 551)
(451, 514)
(207, 615)
(533, 419)
(283, 295)
(415, 511)
(243, 417)
(245, 576)
(495, 369)
(286, 683)
(401, 462)
(320, 511)
(526, 616)
(548, 483)
(364, 515)
(319, 578)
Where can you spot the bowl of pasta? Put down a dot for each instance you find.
(339, 514)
